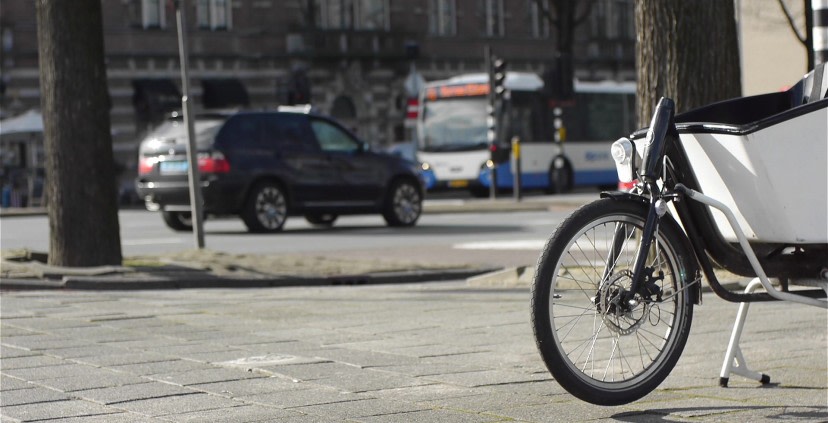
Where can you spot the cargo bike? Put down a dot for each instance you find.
(739, 185)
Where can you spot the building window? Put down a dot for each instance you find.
(351, 14)
(372, 14)
(152, 14)
(540, 23)
(612, 20)
(443, 17)
(214, 14)
(494, 18)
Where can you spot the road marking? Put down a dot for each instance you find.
(151, 241)
(518, 244)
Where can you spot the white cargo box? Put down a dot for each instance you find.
(775, 179)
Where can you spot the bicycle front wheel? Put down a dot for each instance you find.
(599, 348)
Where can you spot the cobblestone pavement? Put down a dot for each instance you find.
(432, 352)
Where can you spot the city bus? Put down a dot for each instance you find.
(454, 151)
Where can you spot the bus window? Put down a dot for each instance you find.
(454, 123)
(525, 117)
(599, 116)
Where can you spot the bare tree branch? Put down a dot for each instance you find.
(791, 22)
(587, 11)
(546, 13)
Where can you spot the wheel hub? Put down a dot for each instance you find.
(620, 316)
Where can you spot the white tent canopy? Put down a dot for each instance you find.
(29, 122)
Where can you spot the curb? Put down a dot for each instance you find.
(180, 281)
(524, 276)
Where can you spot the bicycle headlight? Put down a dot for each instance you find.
(622, 152)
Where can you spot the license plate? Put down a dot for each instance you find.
(460, 183)
(172, 167)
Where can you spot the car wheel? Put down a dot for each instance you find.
(321, 219)
(265, 209)
(178, 221)
(403, 204)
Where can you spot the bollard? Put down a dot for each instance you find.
(516, 171)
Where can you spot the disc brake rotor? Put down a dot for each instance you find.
(620, 318)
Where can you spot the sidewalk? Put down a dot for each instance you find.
(376, 354)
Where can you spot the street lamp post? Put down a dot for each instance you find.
(192, 152)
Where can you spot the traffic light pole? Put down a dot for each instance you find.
(491, 121)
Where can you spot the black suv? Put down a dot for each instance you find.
(264, 166)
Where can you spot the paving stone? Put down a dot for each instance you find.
(161, 367)
(30, 396)
(303, 398)
(85, 351)
(361, 408)
(178, 404)
(56, 410)
(368, 380)
(246, 387)
(50, 372)
(424, 393)
(138, 391)
(503, 380)
(488, 402)
(43, 342)
(431, 416)
(25, 362)
(122, 359)
(47, 324)
(7, 330)
(119, 417)
(98, 378)
(242, 413)
(312, 371)
(487, 377)
(430, 369)
(209, 375)
(364, 358)
(10, 383)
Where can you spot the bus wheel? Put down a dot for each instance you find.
(479, 192)
(560, 176)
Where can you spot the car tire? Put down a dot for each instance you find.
(403, 204)
(265, 210)
(178, 221)
(321, 219)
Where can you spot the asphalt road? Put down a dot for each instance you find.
(491, 238)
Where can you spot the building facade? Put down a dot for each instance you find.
(352, 59)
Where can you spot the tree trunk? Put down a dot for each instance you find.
(687, 50)
(80, 169)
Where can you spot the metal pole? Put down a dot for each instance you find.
(516, 168)
(820, 31)
(192, 152)
(492, 121)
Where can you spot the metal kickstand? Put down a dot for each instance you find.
(734, 361)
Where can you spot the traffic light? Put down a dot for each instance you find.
(499, 77)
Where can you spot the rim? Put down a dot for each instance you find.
(605, 346)
(271, 208)
(406, 203)
(184, 218)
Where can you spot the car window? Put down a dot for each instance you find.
(288, 132)
(241, 131)
(332, 138)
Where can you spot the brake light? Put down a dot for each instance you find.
(145, 165)
(214, 163)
